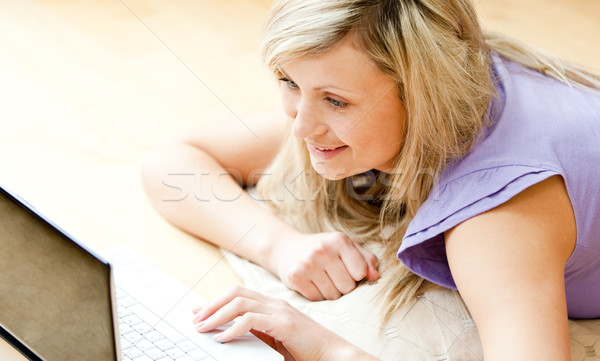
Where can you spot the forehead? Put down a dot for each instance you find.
(344, 65)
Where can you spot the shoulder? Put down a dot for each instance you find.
(538, 219)
(508, 264)
(526, 144)
(467, 196)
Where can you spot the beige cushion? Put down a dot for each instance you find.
(436, 327)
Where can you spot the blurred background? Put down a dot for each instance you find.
(87, 87)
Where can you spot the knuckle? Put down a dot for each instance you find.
(347, 288)
(282, 303)
(361, 271)
(372, 258)
(286, 322)
(297, 275)
(239, 302)
(335, 239)
(321, 249)
(334, 295)
(342, 238)
(313, 296)
(247, 318)
(235, 290)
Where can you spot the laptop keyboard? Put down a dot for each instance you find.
(144, 337)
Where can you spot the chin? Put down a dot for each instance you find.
(333, 174)
(333, 177)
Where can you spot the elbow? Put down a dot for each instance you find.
(151, 176)
(155, 170)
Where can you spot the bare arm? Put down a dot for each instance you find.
(508, 264)
(195, 183)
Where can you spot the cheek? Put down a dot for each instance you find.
(289, 104)
(348, 128)
(376, 137)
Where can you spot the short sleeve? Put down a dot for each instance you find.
(423, 249)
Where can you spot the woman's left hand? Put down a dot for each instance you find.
(277, 323)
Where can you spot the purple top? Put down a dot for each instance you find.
(543, 128)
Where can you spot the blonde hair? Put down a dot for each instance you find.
(438, 55)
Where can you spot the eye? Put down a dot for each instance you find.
(337, 104)
(290, 84)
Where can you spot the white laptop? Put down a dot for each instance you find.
(59, 302)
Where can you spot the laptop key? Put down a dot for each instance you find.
(164, 344)
(142, 328)
(122, 312)
(143, 358)
(131, 320)
(175, 352)
(133, 352)
(198, 355)
(133, 337)
(124, 328)
(185, 358)
(154, 336)
(187, 345)
(144, 345)
(155, 353)
(166, 358)
(125, 344)
(144, 313)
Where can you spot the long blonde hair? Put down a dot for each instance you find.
(440, 58)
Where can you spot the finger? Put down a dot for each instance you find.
(308, 289)
(302, 283)
(325, 286)
(222, 300)
(354, 260)
(372, 263)
(237, 307)
(198, 308)
(340, 276)
(249, 321)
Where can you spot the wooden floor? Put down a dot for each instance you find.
(90, 86)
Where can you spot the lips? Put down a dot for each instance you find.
(327, 149)
(325, 152)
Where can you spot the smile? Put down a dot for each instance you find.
(325, 152)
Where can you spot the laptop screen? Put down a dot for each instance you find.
(54, 295)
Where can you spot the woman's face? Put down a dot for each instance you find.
(346, 110)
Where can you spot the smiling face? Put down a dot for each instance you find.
(346, 110)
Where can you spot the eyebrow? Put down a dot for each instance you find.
(319, 88)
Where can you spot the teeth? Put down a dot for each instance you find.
(324, 149)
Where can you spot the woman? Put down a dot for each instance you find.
(471, 154)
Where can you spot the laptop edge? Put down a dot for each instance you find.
(13, 339)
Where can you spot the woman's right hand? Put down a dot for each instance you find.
(281, 326)
(323, 265)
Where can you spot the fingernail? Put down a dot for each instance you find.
(197, 309)
(200, 317)
(220, 337)
(200, 326)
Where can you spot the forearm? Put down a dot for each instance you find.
(354, 353)
(193, 191)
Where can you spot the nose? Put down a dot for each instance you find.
(308, 121)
